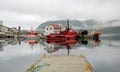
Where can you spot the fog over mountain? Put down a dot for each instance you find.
(107, 27)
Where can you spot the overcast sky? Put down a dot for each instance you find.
(27, 13)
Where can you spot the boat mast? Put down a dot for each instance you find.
(68, 26)
(68, 23)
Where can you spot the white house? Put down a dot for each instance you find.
(13, 29)
(52, 28)
(3, 28)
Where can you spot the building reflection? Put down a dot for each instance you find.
(50, 48)
(7, 41)
(1, 46)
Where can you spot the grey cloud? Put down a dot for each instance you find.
(61, 9)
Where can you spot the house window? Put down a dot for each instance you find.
(50, 28)
(47, 28)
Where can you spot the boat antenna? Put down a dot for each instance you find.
(31, 28)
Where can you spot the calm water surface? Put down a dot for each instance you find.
(17, 55)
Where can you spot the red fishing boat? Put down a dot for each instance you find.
(67, 34)
(97, 33)
(32, 33)
(70, 34)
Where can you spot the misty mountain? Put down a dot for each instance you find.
(76, 24)
(109, 27)
(111, 23)
(110, 30)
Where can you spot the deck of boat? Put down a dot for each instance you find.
(61, 63)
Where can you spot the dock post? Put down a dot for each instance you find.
(44, 56)
(87, 67)
(32, 67)
(81, 55)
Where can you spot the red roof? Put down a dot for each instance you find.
(56, 25)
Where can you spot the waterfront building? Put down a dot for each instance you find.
(52, 28)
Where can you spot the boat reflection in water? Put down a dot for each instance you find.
(32, 42)
(54, 46)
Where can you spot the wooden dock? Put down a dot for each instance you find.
(61, 63)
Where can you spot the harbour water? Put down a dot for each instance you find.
(18, 55)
